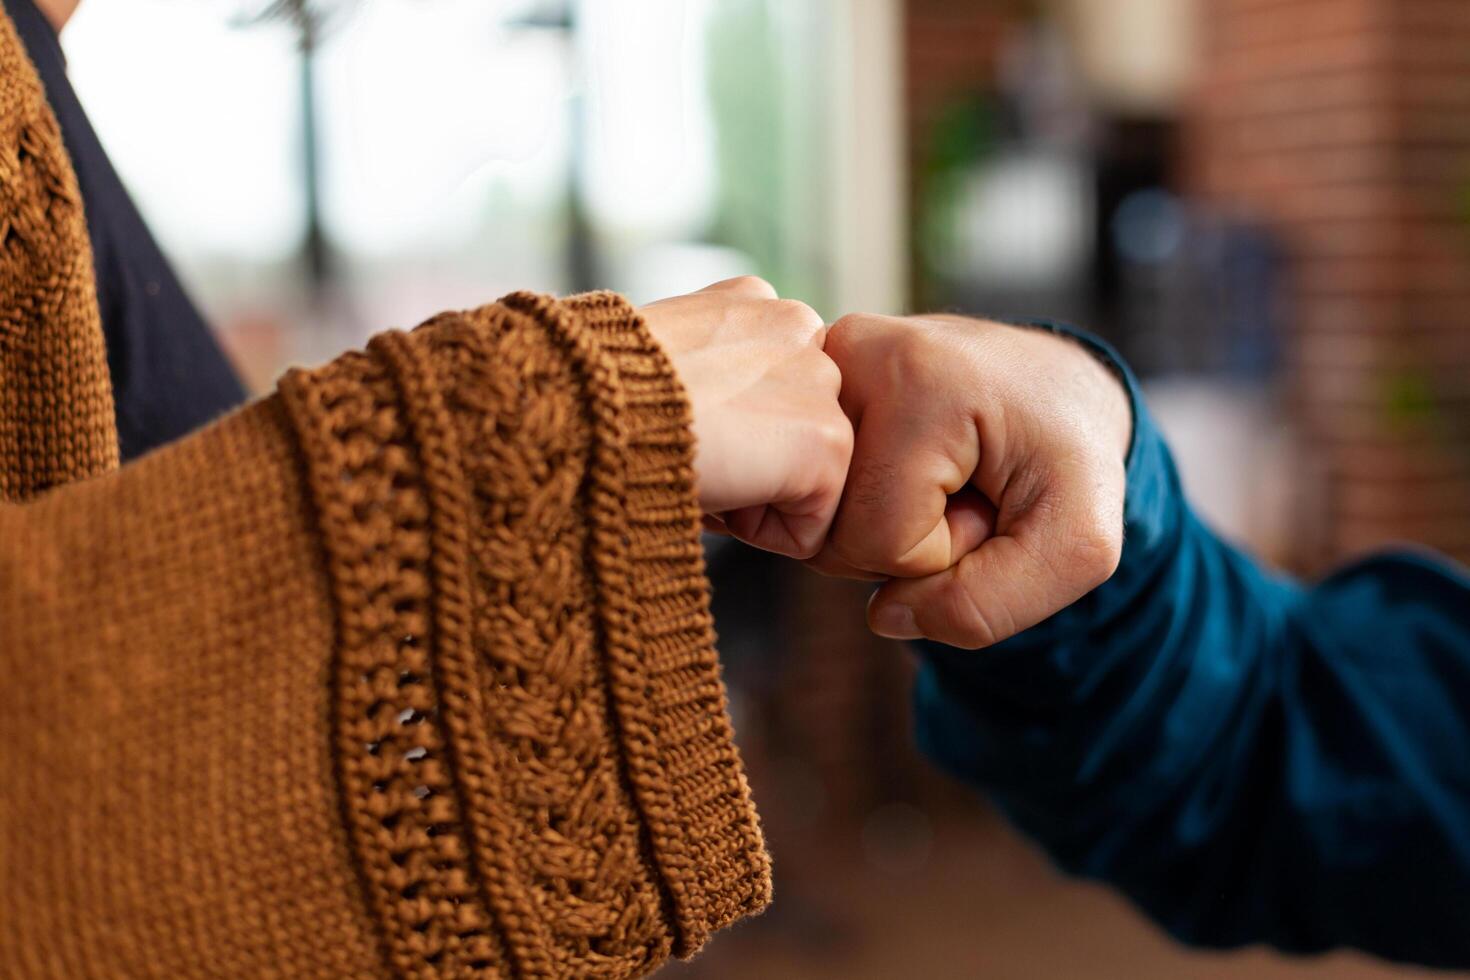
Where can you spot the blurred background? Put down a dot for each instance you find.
(1264, 203)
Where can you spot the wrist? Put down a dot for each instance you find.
(1114, 386)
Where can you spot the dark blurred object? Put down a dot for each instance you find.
(1030, 203)
(310, 18)
(1197, 294)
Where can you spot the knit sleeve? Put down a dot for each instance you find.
(407, 670)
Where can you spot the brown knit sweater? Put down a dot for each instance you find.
(406, 670)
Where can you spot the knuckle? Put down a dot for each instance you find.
(848, 322)
(845, 330)
(803, 321)
(836, 438)
(896, 359)
(798, 539)
(825, 372)
(754, 284)
(910, 349)
(803, 548)
(828, 451)
(1097, 549)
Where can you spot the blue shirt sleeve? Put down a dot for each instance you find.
(1247, 758)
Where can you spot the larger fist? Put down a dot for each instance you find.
(987, 477)
(772, 442)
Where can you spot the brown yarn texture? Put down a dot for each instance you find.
(56, 420)
(405, 671)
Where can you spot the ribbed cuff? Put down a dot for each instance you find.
(675, 725)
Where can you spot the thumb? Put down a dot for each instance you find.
(1044, 561)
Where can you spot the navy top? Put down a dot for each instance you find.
(169, 376)
(1250, 759)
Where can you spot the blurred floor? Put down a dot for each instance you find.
(982, 905)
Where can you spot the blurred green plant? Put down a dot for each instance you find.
(768, 105)
(1408, 398)
(962, 136)
(1414, 399)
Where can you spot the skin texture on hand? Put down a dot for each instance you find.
(772, 442)
(987, 478)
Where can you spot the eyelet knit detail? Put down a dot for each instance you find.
(400, 803)
(489, 488)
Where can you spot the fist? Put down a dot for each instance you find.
(772, 442)
(987, 478)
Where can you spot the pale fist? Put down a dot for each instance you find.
(987, 477)
(772, 442)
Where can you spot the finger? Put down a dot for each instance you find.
(894, 514)
(751, 287)
(826, 562)
(713, 524)
(1053, 555)
(971, 522)
(797, 526)
(796, 535)
(761, 527)
(970, 519)
(796, 517)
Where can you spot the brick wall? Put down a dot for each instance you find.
(950, 49)
(950, 52)
(1344, 126)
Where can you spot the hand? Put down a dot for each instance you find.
(987, 475)
(772, 443)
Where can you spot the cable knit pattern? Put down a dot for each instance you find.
(655, 608)
(405, 671)
(56, 416)
(539, 781)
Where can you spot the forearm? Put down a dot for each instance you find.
(1250, 760)
(405, 669)
(167, 640)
